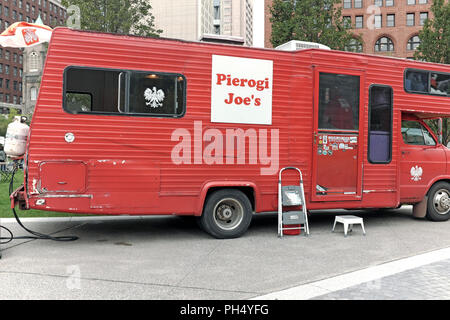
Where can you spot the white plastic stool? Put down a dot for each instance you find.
(349, 221)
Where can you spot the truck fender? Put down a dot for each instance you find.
(420, 208)
(225, 184)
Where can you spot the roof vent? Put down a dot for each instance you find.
(294, 45)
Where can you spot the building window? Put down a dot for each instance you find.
(33, 93)
(390, 20)
(389, 3)
(423, 17)
(423, 1)
(124, 92)
(358, 4)
(34, 61)
(347, 4)
(6, 69)
(7, 83)
(413, 43)
(384, 44)
(347, 20)
(378, 3)
(380, 124)
(7, 55)
(411, 2)
(410, 19)
(378, 23)
(1, 83)
(359, 22)
(354, 46)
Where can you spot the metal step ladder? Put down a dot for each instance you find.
(291, 196)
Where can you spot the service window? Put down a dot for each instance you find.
(414, 132)
(380, 124)
(124, 92)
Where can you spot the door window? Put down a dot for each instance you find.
(380, 124)
(338, 101)
(415, 133)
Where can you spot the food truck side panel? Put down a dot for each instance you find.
(124, 164)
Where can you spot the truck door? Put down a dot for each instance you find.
(337, 148)
(422, 159)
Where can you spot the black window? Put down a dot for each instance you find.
(413, 132)
(124, 92)
(380, 124)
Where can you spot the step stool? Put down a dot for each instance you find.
(292, 196)
(349, 221)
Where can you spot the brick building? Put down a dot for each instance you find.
(12, 89)
(387, 27)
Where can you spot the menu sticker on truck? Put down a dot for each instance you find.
(241, 90)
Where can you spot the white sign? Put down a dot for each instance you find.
(241, 90)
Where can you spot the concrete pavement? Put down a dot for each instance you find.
(170, 258)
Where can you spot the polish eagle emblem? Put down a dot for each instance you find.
(154, 97)
(416, 173)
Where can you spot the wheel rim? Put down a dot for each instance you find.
(228, 214)
(441, 201)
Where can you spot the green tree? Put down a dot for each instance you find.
(116, 16)
(310, 20)
(435, 35)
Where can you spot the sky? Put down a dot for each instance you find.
(258, 23)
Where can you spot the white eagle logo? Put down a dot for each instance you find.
(416, 173)
(155, 97)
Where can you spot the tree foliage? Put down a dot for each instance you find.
(116, 16)
(309, 20)
(435, 35)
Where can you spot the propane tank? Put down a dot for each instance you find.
(16, 137)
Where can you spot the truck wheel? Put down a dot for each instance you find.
(227, 214)
(438, 206)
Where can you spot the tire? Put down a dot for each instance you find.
(438, 206)
(227, 214)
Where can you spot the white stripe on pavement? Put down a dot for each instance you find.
(318, 288)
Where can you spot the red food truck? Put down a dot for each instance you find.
(145, 126)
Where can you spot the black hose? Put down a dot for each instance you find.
(36, 235)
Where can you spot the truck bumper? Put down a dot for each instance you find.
(18, 197)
